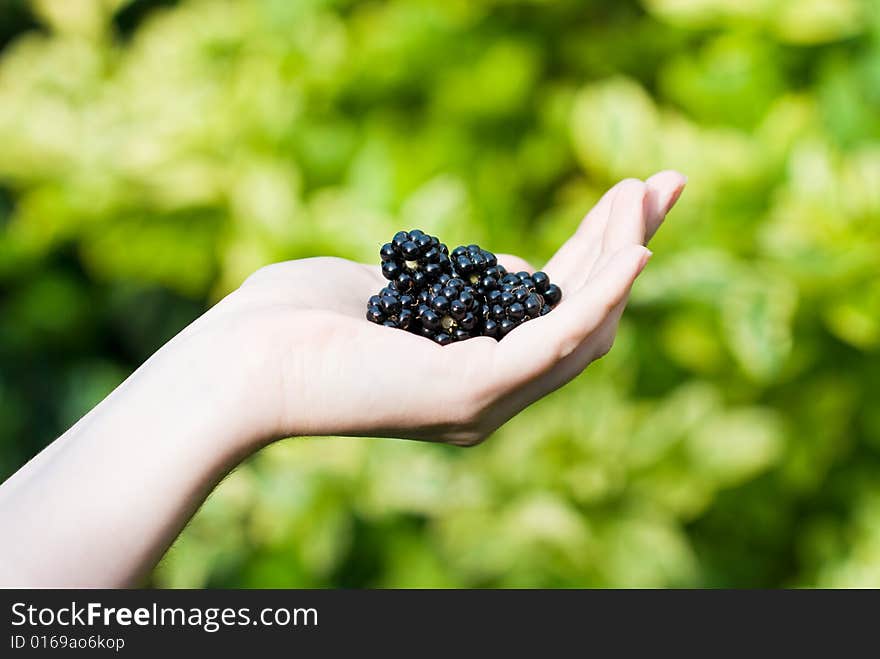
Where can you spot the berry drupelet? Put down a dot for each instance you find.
(452, 297)
(413, 259)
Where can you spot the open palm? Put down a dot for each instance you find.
(330, 371)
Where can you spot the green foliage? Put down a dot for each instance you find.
(731, 438)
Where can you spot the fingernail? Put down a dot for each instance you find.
(675, 196)
(646, 256)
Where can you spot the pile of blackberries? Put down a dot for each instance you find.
(450, 297)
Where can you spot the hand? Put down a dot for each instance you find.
(326, 370)
(291, 353)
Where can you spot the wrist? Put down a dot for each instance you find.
(223, 378)
(198, 397)
(139, 464)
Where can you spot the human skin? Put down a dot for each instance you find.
(289, 354)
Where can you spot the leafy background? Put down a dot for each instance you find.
(152, 154)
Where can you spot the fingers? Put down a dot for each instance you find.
(514, 263)
(636, 214)
(596, 268)
(614, 222)
(536, 347)
(580, 251)
(626, 221)
(639, 210)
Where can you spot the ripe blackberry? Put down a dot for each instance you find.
(519, 298)
(446, 311)
(471, 263)
(391, 308)
(413, 259)
(453, 297)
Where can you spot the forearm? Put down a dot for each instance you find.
(100, 505)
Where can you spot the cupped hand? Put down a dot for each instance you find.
(318, 367)
(291, 353)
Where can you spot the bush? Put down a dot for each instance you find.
(153, 156)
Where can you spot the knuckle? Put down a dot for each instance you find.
(567, 346)
(610, 305)
(603, 348)
(631, 188)
(471, 434)
(471, 424)
(260, 274)
(471, 404)
(468, 439)
(632, 184)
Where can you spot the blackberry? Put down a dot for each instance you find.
(413, 259)
(391, 308)
(520, 297)
(472, 263)
(447, 311)
(453, 297)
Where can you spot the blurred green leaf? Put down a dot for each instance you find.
(155, 153)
